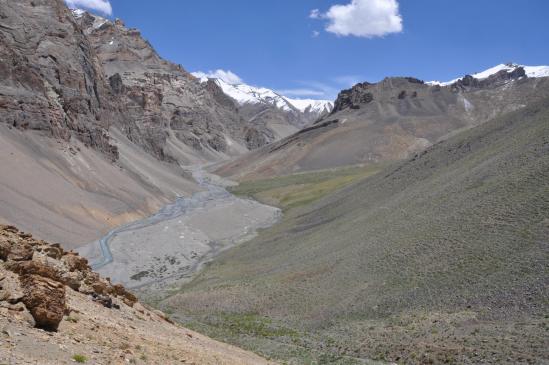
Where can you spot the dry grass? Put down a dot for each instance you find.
(441, 259)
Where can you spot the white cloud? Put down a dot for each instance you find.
(227, 76)
(315, 34)
(315, 14)
(103, 6)
(362, 18)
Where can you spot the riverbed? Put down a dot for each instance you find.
(172, 245)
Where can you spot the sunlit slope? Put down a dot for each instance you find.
(443, 257)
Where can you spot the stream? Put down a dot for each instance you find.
(175, 242)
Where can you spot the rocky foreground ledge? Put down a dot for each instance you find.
(54, 310)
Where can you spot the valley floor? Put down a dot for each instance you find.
(152, 254)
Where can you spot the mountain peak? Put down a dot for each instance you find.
(247, 94)
(530, 71)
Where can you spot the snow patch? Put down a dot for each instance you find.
(78, 13)
(97, 20)
(531, 71)
(467, 105)
(246, 94)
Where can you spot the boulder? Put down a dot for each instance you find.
(75, 262)
(45, 300)
(34, 268)
(5, 249)
(128, 298)
(20, 252)
(53, 252)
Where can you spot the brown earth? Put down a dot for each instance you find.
(55, 310)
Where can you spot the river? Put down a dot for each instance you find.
(174, 243)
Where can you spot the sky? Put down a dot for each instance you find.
(315, 48)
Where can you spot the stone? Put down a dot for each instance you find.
(5, 249)
(45, 300)
(34, 268)
(53, 252)
(75, 262)
(128, 298)
(72, 279)
(20, 252)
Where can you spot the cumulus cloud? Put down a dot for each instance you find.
(227, 76)
(362, 18)
(103, 6)
(315, 14)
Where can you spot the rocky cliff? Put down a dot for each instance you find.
(50, 77)
(74, 74)
(169, 107)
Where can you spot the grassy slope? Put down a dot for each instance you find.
(442, 258)
(292, 191)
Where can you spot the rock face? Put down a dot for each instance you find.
(49, 75)
(77, 75)
(44, 271)
(391, 120)
(165, 102)
(72, 85)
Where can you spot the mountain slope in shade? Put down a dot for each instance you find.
(390, 120)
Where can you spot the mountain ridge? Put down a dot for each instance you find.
(246, 94)
(530, 71)
(390, 120)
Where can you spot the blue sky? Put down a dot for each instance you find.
(289, 46)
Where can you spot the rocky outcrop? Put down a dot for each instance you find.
(50, 78)
(45, 299)
(99, 322)
(468, 82)
(162, 99)
(354, 97)
(77, 75)
(44, 271)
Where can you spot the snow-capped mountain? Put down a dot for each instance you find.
(246, 94)
(531, 71)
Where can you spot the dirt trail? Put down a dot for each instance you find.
(174, 243)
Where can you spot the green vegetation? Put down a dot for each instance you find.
(71, 319)
(292, 191)
(440, 259)
(80, 358)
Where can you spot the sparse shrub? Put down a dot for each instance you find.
(72, 319)
(80, 358)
